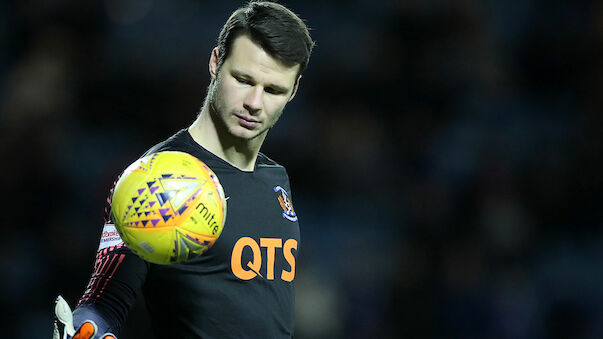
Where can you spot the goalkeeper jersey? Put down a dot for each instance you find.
(242, 287)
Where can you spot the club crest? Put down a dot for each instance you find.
(286, 205)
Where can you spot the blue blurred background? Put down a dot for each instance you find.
(445, 157)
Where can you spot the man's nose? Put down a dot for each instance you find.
(253, 100)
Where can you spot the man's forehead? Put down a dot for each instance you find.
(248, 56)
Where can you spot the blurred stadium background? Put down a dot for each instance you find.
(445, 157)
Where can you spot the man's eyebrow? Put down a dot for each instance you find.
(241, 74)
(275, 87)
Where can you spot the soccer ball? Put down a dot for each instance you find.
(168, 207)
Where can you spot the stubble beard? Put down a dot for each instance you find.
(219, 116)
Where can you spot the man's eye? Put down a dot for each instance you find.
(242, 81)
(271, 90)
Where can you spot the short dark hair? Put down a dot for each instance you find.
(275, 28)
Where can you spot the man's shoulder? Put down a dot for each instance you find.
(177, 142)
(265, 161)
(271, 171)
(183, 142)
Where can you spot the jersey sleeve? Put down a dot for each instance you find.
(116, 280)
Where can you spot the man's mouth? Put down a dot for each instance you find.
(247, 121)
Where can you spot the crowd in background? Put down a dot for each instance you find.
(444, 156)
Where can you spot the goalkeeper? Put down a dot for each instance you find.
(243, 286)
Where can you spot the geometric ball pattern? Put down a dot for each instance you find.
(169, 207)
(153, 205)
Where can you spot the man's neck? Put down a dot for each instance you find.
(240, 153)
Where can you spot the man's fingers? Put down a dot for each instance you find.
(86, 331)
(63, 324)
(63, 313)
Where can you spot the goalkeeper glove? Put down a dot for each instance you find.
(63, 324)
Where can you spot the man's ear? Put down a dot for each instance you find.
(213, 63)
(295, 89)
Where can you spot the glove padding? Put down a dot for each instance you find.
(63, 324)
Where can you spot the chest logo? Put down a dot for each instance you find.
(286, 205)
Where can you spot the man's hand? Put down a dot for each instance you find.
(63, 324)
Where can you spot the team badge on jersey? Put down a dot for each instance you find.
(283, 199)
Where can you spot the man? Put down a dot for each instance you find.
(244, 285)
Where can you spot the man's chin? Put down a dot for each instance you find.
(243, 133)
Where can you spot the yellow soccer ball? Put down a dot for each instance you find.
(168, 207)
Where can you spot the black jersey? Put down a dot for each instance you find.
(242, 287)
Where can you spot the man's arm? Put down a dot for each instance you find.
(115, 282)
